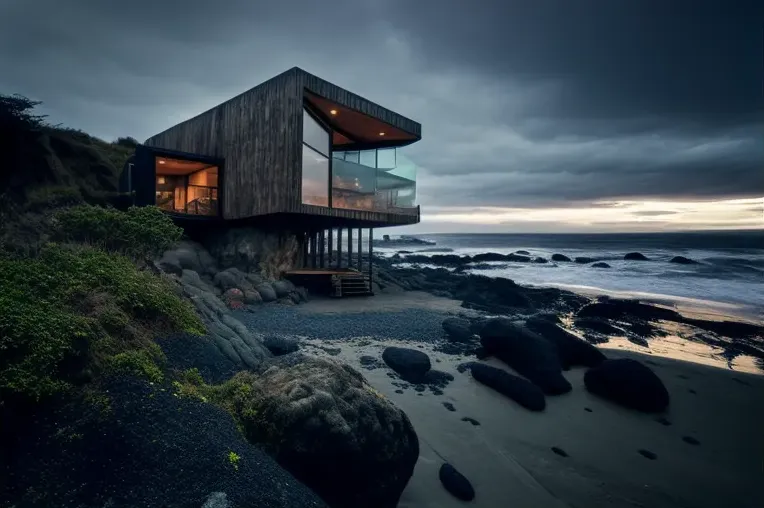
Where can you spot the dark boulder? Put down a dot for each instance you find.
(597, 325)
(325, 424)
(530, 354)
(560, 257)
(283, 288)
(635, 256)
(488, 256)
(523, 252)
(267, 292)
(518, 258)
(540, 260)
(683, 260)
(629, 383)
(600, 265)
(280, 345)
(410, 364)
(458, 329)
(516, 388)
(582, 260)
(617, 308)
(572, 350)
(456, 483)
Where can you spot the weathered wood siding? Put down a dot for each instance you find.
(258, 133)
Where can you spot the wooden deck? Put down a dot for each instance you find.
(338, 282)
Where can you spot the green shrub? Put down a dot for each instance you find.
(127, 141)
(43, 325)
(52, 196)
(146, 363)
(141, 231)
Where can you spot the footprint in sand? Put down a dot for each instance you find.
(663, 421)
(690, 440)
(471, 420)
(559, 451)
(449, 406)
(588, 410)
(648, 454)
(692, 391)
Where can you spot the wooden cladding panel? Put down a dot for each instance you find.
(258, 133)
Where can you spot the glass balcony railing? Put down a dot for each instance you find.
(374, 180)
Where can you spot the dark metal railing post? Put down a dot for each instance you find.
(350, 247)
(304, 250)
(321, 247)
(313, 249)
(339, 247)
(330, 247)
(360, 250)
(371, 263)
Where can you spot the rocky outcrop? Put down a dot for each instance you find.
(269, 253)
(571, 349)
(582, 260)
(681, 260)
(516, 388)
(560, 257)
(600, 265)
(635, 256)
(411, 364)
(629, 383)
(530, 354)
(325, 424)
(230, 335)
(458, 329)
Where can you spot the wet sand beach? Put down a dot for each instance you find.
(706, 450)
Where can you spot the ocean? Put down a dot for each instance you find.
(730, 275)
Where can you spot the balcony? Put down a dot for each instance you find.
(374, 180)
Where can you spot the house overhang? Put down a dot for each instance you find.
(354, 130)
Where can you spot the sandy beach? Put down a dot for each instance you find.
(508, 457)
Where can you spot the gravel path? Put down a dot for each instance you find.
(420, 325)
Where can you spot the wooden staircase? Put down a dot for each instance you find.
(350, 284)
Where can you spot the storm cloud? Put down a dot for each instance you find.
(545, 103)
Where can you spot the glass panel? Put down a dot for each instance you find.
(314, 134)
(315, 177)
(368, 158)
(386, 158)
(361, 186)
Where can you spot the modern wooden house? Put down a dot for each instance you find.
(295, 152)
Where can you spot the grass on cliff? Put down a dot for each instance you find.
(77, 310)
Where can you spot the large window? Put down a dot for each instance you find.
(315, 161)
(186, 186)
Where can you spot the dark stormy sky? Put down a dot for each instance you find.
(537, 115)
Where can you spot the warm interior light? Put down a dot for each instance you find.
(334, 111)
(161, 161)
(161, 180)
(381, 133)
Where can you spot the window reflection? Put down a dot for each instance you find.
(315, 161)
(315, 177)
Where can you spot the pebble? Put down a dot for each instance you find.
(416, 325)
(470, 420)
(559, 451)
(449, 406)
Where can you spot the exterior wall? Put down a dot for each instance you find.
(258, 133)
